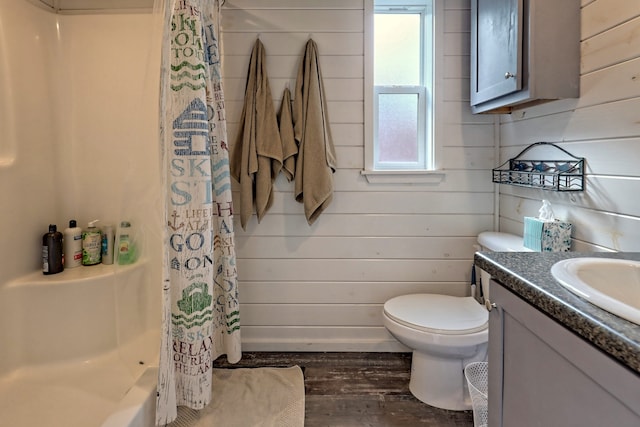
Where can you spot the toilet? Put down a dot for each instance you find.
(445, 333)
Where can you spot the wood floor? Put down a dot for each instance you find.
(357, 390)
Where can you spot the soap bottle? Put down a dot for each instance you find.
(126, 246)
(72, 245)
(91, 244)
(52, 251)
(107, 244)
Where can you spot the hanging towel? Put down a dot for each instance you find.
(257, 154)
(316, 160)
(289, 146)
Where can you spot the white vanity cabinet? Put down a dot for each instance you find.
(523, 52)
(542, 374)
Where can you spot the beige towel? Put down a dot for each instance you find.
(257, 153)
(289, 146)
(316, 160)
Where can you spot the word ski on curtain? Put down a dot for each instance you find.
(201, 320)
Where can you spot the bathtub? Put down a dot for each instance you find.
(79, 348)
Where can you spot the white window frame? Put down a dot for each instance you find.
(422, 122)
(426, 170)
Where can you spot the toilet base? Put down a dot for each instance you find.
(440, 382)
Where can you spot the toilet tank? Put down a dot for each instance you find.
(495, 241)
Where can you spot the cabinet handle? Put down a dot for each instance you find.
(489, 305)
(509, 75)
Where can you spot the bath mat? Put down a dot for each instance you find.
(250, 397)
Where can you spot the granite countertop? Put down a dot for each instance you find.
(528, 275)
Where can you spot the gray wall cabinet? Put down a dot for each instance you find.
(541, 374)
(523, 52)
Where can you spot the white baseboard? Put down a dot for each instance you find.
(319, 338)
(322, 346)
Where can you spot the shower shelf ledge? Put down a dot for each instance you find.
(75, 275)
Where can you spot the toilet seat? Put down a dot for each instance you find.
(439, 314)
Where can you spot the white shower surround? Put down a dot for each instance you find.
(82, 145)
(82, 363)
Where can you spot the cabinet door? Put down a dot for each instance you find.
(541, 374)
(496, 51)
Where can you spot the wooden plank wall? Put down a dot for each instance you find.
(603, 126)
(322, 287)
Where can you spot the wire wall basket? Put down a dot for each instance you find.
(554, 175)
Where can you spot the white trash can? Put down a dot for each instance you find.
(476, 374)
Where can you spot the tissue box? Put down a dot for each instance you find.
(547, 236)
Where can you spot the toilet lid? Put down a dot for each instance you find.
(442, 314)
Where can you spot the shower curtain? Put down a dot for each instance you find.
(200, 318)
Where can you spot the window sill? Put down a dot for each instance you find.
(431, 177)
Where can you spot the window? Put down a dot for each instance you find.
(399, 85)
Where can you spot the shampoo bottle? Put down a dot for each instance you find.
(91, 244)
(72, 245)
(107, 244)
(52, 251)
(126, 246)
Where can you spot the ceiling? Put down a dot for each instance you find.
(79, 6)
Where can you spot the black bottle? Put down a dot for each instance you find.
(52, 261)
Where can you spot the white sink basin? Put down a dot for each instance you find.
(611, 284)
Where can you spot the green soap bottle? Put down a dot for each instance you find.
(91, 244)
(126, 246)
